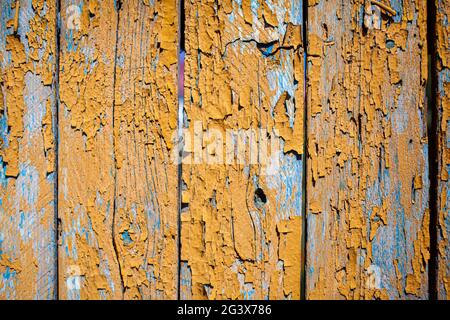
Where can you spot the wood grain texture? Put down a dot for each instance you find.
(88, 261)
(145, 111)
(443, 107)
(27, 154)
(368, 219)
(92, 145)
(242, 161)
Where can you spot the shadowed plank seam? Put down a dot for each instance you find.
(303, 244)
(432, 127)
(56, 134)
(180, 70)
(116, 252)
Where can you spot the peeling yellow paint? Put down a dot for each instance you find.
(443, 108)
(86, 154)
(28, 156)
(367, 132)
(241, 227)
(235, 244)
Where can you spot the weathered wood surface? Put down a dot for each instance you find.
(368, 218)
(27, 154)
(89, 265)
(443, 107)
(145, 111)
(91, 146)
(241, 216)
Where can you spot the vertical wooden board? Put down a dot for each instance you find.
(443, 107)
(243, 146)
(88, 262)
(27, 154)
(367, 207)
(145, 114)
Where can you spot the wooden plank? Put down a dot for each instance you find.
(145, 113)
(27, 154)
(443, 104)
(88, 261)
(367, 170)
(242, 161)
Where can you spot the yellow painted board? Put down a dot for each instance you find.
(27, 149)
(243, 145)
(88, 252)
(115, 168)
(443, 109)
(367, 170)
(145, 124)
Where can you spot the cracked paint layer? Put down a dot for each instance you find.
(27, 149)
(145, 111)
(241, 221)
(368, 217)
(241, 208)
(88, 254)
(443, 108)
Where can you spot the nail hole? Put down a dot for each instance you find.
(390, 44)
(260, 198)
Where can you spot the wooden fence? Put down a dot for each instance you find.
(308, 157)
